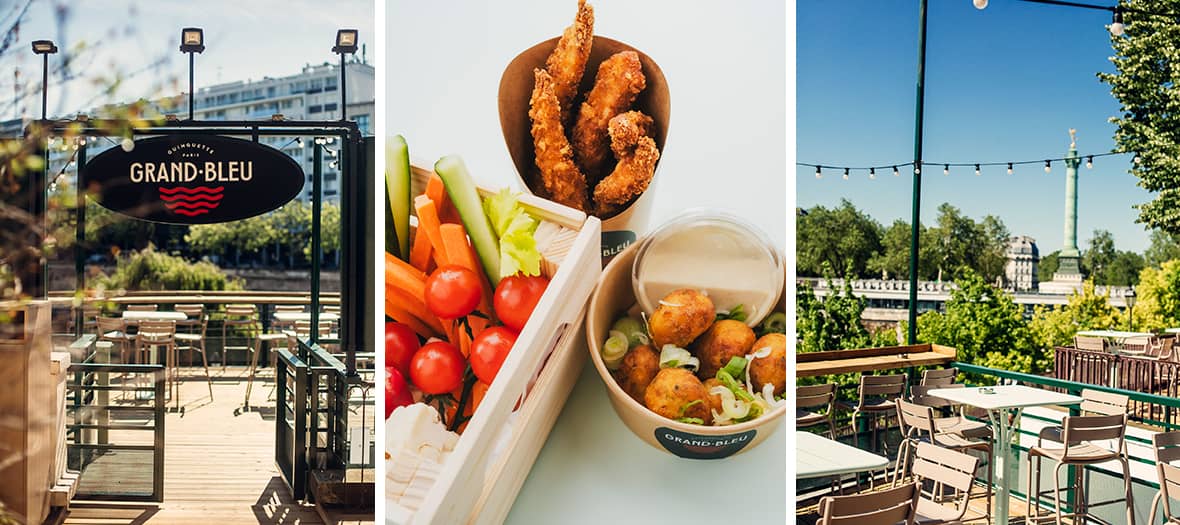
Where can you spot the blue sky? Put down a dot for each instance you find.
(1002, 84)
(243, 39)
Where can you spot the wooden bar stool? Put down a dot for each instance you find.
(190, 335)
(1078, 449)
(238, 315)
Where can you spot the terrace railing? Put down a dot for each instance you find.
(107, 424)
(1132, 373)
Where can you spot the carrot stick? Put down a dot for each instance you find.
(428, 222)
(400, 275)
(420, 327)
(413, 306)
(437, 191)
(462, 254)
(420, 252)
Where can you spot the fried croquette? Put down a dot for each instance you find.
(616, 86)
(723, 341)
(772, 368)
(637, 369)
(681, 317)
(563, 181)
(567, 62)
(676, 393)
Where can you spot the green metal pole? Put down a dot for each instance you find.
(915, 221)
(80, 239)
(317, 248)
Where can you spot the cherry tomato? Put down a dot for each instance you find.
(400, 344)
(489, 350)
(437, 368)
(515, 298)
(452, 292)
(397, 392)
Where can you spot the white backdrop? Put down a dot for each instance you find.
(725, 64)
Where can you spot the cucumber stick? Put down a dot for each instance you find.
(464, 196)
(397, 191)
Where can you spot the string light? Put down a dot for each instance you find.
(1136, 160)
(1009, 168)
(946, 169)
(946, 166)
(819, 172)
(846, 173)
(977, 170)
(873, 173)
(1047, 168)
(1090, 162)
(895, 172)
(917, 170)
(1116, 23)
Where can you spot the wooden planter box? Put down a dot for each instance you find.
(27, 415)
(872, 359)
(481, 478)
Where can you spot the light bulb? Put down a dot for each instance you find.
(1136, 160)
(1089, 162)
(819, 172)
(845, 173)
(979, 4)
(977, 165)
(946, 169)
(1116, 23)
(127, 144)
(872, 173)
(895, 172)
(1047, 168)
(917, 170)
(1009, 168)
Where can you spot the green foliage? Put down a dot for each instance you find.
(1145, 82)
(1157, 303)
(893, 261)
(288, 227)
(1164, 247)
(959, 244)
(1108, 266)
(149, 269)
(843, 238)
(986, 327)
(831, 322)
(1086, 310)
(1048, 266)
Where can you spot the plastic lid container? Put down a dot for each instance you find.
(732, 261)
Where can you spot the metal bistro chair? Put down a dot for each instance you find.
(895, 505)
(238, 315)
(876, 396)
(917, 427)
(1092, 344)
(1167, 450)
(192, 338)
(113, 329)
(939, 377)
(1079, 450)
(812, 397)
(142, 307)
(954, 424)
(269, 339)
(943, 468)
(279, 326)
(155, 335)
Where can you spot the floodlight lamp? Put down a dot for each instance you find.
(345, 41)
(44, 47)
(192, 40)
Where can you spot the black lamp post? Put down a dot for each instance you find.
(44, 48)
(345, 45)
(192, 41)
(1129, 298)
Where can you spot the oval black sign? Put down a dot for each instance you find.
(694, 446)
(186, 179)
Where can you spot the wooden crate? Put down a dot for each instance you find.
(479, 483)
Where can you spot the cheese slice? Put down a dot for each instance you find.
(417, 444)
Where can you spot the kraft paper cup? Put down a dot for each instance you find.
(516, 87)
(612, 297)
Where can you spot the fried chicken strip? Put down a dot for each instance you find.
(637, 155)
(567, 62)
(562, 179)
(617, 84)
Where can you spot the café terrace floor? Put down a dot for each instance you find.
(218, 463)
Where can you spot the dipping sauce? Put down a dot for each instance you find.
(725, 257)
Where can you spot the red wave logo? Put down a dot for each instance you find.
(191, 202)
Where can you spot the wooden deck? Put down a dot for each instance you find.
(219, 462)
